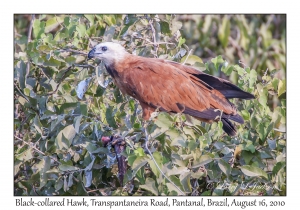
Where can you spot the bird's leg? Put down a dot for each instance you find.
(147, 110)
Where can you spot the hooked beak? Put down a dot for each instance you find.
(91, 53)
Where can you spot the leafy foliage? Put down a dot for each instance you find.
(64, 104)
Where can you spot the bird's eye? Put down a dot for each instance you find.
(104, 48)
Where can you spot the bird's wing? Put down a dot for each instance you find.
(164, 86)
(228, 89)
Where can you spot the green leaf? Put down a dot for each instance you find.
(245, 114)
(248, 146)
(21, 72)
(38, 28)
(191, 59)
(253, 77)
(185, 181)
(92, 30)
(164, 120)
(158, 158)
(44, 48)
(70, 60)
(181, 41)
(52, 62)
(26, 155)
(91, 18)
(263, 94)
(224, 31)
(206, 193)
(70, 180)
(253, 171)
(66, 107)
(81, 30)
(109, 34)
(42, 104)
(247, 155)
(80, 187)
(177, 139)
(150, 186)
(58, 184)
(53, 23)
(204, 159)
(44, 166)
(110, 19)
(64, 167)
(138, 163)
(77, 121)
(227, 69)
(65, 137)
(225, 167)
(110, 117)
(275, 83)
(262, 131)
(218, 62)
(177, 170)
(277, 167)
(65, 184)
(281, 87)
(37, 124)
(165, 27)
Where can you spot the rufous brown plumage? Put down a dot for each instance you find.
(171, 87)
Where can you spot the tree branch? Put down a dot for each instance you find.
(74, 51)
(154, 37)
(238, 48)
(37, 150)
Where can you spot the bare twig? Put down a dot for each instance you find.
(92, 191)
(30, 28)
(20, 92)
(62, 26)
(237, 47)
(241, 62)
(37, 150)
(33, 187)
(97, 37)
(84, 65)
(74, 51)
(187, 56)
(146, 146)
(154, 37)
(211, 53)
(265, 74)
(152, 43)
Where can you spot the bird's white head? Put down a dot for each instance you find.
(108, 52)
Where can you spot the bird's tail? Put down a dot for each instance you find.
(211, 115)
(228, 127)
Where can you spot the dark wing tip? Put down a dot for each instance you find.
(228, 127)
